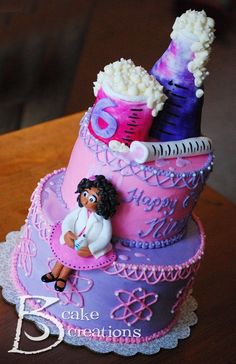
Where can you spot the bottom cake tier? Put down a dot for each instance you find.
(135, 299)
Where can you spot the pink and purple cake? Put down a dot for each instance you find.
(143, 135)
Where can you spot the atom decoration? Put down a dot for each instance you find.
(75, 287)
(134, 306)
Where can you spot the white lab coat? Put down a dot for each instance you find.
(96, 235)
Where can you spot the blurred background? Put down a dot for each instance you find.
(52, 50)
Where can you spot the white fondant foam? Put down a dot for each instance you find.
(116, 146)
(200, 28)
(131, 83)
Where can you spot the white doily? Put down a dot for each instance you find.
(181, 330)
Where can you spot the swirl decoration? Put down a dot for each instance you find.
(27, 251)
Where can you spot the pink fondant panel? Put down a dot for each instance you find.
(116, 119)
(70, 258)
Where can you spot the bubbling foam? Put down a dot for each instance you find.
(200, 28)
(131, 83)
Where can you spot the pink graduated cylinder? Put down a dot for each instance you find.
(115, 119)
(69, 257)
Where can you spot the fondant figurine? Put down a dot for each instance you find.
(87, 229)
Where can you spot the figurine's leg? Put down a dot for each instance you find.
(56, 270)
(53, 275)
(65, 272)
(63, 276)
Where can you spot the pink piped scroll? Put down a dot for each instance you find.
(115, 119)
(27, 251)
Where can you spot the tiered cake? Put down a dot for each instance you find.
(157, 244)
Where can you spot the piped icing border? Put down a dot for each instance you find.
(152, 175)
(150, 245)
(153, 274)
(36, 214)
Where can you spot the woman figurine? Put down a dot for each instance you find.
(87, 229)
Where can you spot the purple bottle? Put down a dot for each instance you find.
(188, 51)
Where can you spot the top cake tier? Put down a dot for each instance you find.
(158, 177)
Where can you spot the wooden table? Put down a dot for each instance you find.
(30, 154)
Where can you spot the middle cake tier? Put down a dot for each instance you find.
(156, 198)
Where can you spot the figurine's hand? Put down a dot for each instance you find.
(69, 238)
(84, 252)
